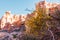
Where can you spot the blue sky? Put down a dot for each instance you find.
(19, 6)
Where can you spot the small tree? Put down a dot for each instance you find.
(37, 25)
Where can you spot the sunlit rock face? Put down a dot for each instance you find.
(23, 18)
(45, 5)
(9, 18)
